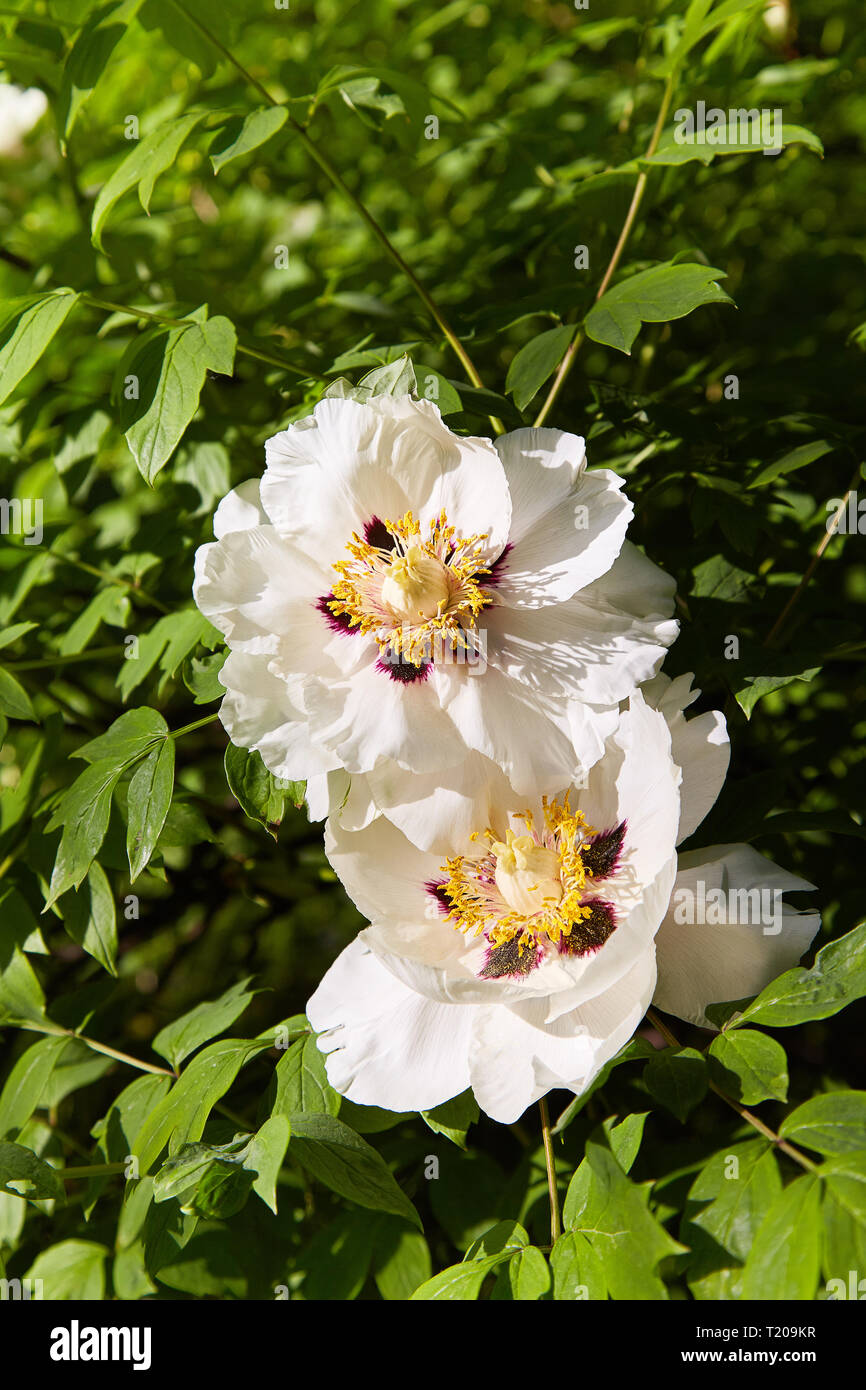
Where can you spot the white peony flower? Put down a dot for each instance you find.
(20, 109)
(398, 598)
(524, 959)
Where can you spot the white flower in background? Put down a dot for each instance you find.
(397, 597)
(20, 109)
(526, 958)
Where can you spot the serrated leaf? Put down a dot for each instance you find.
(658, 295)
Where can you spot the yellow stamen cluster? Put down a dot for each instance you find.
(477, 905)
(440, 573)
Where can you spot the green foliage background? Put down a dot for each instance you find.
(544, 113)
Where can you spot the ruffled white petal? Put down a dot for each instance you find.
(700, 746)
(436, 810)
(707, 963)
(567, 525)
(240, 509)
(350, 462)
(385, 1044)
(517, 1057)
(366, 715)
(256, 589)
(257, 712)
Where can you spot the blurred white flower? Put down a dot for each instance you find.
(20, 109)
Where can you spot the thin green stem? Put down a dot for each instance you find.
(92, 654)
(741, 1110)
(555, 1219)
(198, 724)
(170, 322)
(95, 1170)
(339, 183)
(568, 360)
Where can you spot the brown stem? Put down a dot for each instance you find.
(741, 1110)
(567, 362)
(555, 1219)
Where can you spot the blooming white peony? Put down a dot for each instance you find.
(524, 959)
(401, 601)
(20, 109)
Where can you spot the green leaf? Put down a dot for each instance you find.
(756, 687)
(181, 1116)
(22, 1174)
(179, 1038)
(665, 292)
(27, 1082)
(528, 1275)
(638, 1050)
(671, 151)
(26, 328)
(302, 1082)
(748, 1066)
(83, 812)
(245, 133)
(109, 605)
(14, 700)
(21, 996)
(535, 362)
(170, 366)
(150, 792)
(464, 1281)
(784, 1260)
(73, 1270)
(261, 795)
(336, 1261)
(844, 1219)
(88, 58)
(128, 738)
(148, 158)
(791, 460)
(401, 1259)
(453, 1118)
(343, 1161)
(725, 1206)
(90, 917)
(265, 1156)
(837, 978)
(833, 1123)
(577, 1270)
(614, 1216)
(678, 1079)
